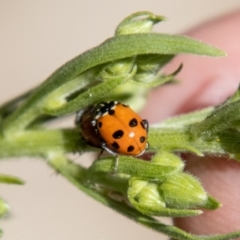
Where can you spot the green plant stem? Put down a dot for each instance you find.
(39, 142)
(183, 141)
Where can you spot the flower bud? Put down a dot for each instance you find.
(148, 66)
(140, 22)
(4, 208)
(168, 159)
(144, 195)
(123, 68)
(183, 191)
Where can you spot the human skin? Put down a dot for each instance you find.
(206, 82)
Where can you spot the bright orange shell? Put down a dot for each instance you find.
(123, 130)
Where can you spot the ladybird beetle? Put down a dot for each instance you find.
(114, 127)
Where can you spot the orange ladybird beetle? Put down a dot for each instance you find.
(114, 127)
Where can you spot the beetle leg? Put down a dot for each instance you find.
(104, 147)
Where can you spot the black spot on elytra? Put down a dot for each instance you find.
(118, 134)
(142, 139)
(130, 148)
(99, 124)
(111, 111)
(133, 122)
(115, 145)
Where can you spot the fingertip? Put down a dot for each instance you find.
(204, 81)
(219, 176)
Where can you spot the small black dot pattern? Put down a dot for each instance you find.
(111, 112)
(115, 145)
(133, 122)
(130, 148)
(118, 134)
(108, 107)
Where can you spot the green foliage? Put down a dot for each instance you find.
(10, 179)
(3, 208)
(125, 68)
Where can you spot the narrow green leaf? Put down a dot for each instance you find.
(88, 97)
(223, 117)
(119, 47)
(132, 166)
(179, 234)
(10, 179)
(230, 140)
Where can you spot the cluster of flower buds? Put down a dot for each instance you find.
(177, 194)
